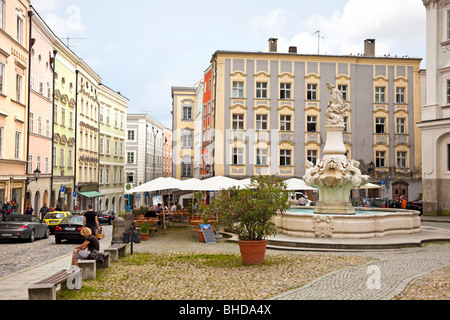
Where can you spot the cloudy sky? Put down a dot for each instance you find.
(142, 48)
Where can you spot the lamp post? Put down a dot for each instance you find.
(37, 175)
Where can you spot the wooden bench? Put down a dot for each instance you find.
(46, 288)
(89, 266)
(117, 249)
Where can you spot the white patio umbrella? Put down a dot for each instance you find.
(370, 186)
(297, 184)
(219, 183)
(158, 184)
(193, 184)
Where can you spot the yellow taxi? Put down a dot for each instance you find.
(52, 219)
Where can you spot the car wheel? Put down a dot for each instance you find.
(58, 240)
(47, 234)
(31, 239)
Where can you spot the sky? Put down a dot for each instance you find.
(142, 48)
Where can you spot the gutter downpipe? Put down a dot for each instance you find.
(30, 45)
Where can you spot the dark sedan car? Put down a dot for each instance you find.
(69, 229)
(23, 227)
(106, 217)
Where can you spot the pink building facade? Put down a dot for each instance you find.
(40, 115)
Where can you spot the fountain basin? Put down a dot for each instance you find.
(365, 223)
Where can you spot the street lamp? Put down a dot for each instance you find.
(37, 175)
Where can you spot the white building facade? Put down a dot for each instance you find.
(435, 123)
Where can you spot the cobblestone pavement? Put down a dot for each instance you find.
(16, 255)
(408, 273)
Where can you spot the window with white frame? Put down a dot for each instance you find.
(261, 122)
(311, 156)
(400, 95)
(401, 159)
(61, 158)
(380, 125)
(47, 128)
(285, 157)
(17, 144)
(30, 163)
(186, 169)
(32, 79)
(107, 146)
(285, 90)
(70, 119)
(238, 122)
(343, 89)
(2, 139)
(380, 94)
(102, 109)
(261, 90)
(116, 148)
(107, 176)
(401, 125)
(2, 73)
(69, 160)
(380, 159)
(131, 135)
(238, 156)
(31, 122)
(285, 123)
(19, 28)
(39, 125)
(448, 91)
(46, 165)
(261, 157)
(448, 24)
(311, 91)
(187, 113)
(187, 138)
(38, 161)
(130, 157)
(238, 89)
(2, 14)
(19, 86)
(311, 123)
(108, 116)
(100, 176)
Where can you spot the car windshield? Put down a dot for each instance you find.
(73, 220)
(54, 215)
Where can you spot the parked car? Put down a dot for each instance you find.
(23, 227)
(69, 229)
(52, 219)
(106, 217)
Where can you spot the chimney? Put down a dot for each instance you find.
(273, 44)
(369, 47)
(292, 49)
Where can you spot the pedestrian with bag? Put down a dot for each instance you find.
(83, 251)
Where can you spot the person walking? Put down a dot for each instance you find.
(91, 220)
(403, 202)
(44, 210)
(29, 210)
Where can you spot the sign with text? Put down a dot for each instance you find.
(208, 233)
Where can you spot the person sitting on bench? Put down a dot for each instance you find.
(82, 251)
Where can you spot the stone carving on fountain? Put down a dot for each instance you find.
(334, 175)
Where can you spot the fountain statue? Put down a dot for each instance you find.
(334, 175)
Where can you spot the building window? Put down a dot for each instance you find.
(69, 160)
(186, 169)
(238, 156)
(2, 138)
(401, 159)
(30, 163)
(2, 14)
(343, 89)
(19, 88)
(285, 157)
(2, 73)
(379, 94)
(401, 125)
(107, 146)
(63, 116)
(311, 91)
(39, 125)
(345, 124)
(312, 156)
(130, 157)
(38, 162)
(380, 125)
(448, 24)
(17, 145)
(380, 159)
(285, 123)
(448, 155)
(61, 158)
(400, 95)
(131, 135)
(130, 177)
(311, 123)
(31, 122)
(261, 157)
(187, 140)
(261, 122)
(238, 122)
(285, 91)
(261, 90)
(238, 89)
(187, 113)
(448, 91)
(19, 30)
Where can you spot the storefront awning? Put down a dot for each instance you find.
(91, 194)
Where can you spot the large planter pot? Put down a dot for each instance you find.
(144, 236)
(252, 252)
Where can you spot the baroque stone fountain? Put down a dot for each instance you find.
(335, 176)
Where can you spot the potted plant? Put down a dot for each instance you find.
(249, 213)
(144, 228)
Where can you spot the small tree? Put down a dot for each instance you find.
(249, 212)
